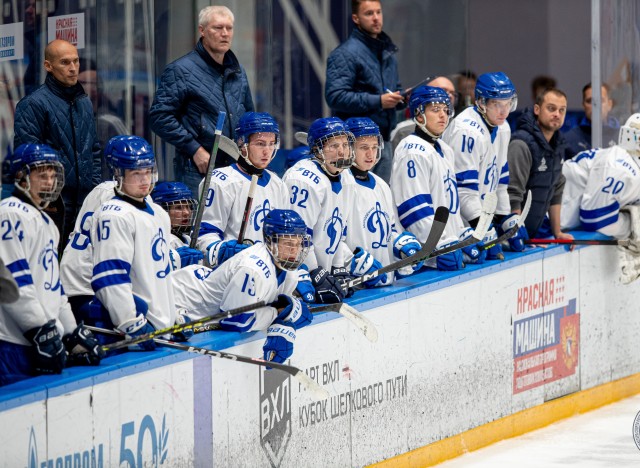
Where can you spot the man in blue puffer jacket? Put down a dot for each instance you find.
(192, 91)
(362, 77)
(60, 114)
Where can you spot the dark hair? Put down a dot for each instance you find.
(588, 86)
(468, 74)
(355, 5)
(541, 95)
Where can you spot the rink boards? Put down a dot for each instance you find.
(456, 351)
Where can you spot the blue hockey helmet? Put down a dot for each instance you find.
(128, 152)
(286, 237)
(365, 127)
(177, 200)
(424, 95)
(320, 132)
(495, 86)
(256, 122)
(27, 162)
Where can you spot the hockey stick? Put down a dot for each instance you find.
(363, 324)
(437, 228)
(301, 137)
(512, 232)
(317, 391)
(247, 207)
(620, 242)
(207, 180)
(425, 81)
(184, 326)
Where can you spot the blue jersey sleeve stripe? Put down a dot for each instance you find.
(416, 216)
(24, 280)
(504, 180)
(469, 185)
(595, 225)
(600, 212)
(110, 265)
(469, 176)
(412, 202)
(505, 168)
(206, 228)
(18, 265)
(241, 323)
(109, 280)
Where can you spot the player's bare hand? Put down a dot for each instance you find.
(566, 235)
(390, 100)
(201, 160)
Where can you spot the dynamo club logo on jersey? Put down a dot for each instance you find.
(49, 261)
(491, 176)
(377, 222)
(159, 253)
(259, 214)
(335, 229)
(451, 187)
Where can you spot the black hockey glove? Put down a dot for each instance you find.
(83, 348)
(329, 290)
(49, 355)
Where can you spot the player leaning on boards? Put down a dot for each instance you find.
(130, 235)
(266, 271)
(258, 139)
(31, 328)
(373, 219)
(602, 191)
(479, 137)
(177, 200)
(423, 177)
(323, 193)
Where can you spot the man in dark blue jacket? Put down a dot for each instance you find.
(60, 114)
(362, 77)
(535, 163)
(192, 91)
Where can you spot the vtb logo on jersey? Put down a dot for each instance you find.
(160, 253)
(451, 187)
(377, 222)
(275, 414)
(335, 229)
(491, 175)
(49, 262)
(259, 214)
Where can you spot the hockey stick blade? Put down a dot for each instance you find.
(318, 392)
(227, 145)
(301, 137)
(486, 216)
(512, 232)
(437, 228)
(618, 242)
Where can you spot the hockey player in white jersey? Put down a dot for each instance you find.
(38, 332)
(258, 138)
(423, 177)
(601, 182)
(322, 191)
(479, 137)
(130, 236)
(373, 220)
(266, 271)
(177, 200)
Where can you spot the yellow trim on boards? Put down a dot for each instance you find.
(516, 424)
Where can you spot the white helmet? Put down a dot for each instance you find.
(629, 138)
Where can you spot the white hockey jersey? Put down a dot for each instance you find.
(325, 206)
(76, 266)
(29, 249)
(480, 161)
(423, 179)
(226, 200)
(131, 256)
(608, 180)
(246, 278)
(373, 220)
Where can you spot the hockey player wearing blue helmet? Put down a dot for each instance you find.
(479, 137)
(38, 332)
